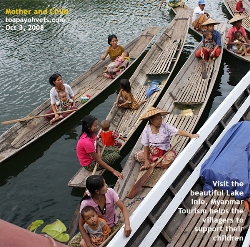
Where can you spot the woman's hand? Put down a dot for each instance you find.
(146, 165)
(116, 103)
(194, 136)
(118, 174)
(127, 230)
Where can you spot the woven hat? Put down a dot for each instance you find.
(236, 18)
(210, 21)
(151, 112)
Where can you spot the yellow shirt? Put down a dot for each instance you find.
(115, 53)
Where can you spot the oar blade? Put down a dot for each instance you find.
(137, 186)
(204, 71)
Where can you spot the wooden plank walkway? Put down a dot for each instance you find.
(212, 222)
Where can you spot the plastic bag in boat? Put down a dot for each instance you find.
(153, 88)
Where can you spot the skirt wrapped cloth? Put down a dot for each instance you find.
(110, 156)
(155, 154)
(200, 20)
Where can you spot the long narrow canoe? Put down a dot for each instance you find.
(158, 63)
(185, 99)
(190, 11)
(231, 7)
(158, 221)
(91, 82)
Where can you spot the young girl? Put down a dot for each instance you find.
(109, 137)
(125, 98)
(88, 152)
(97, 228)
(103, 200)
(114, 50)
(239, 47)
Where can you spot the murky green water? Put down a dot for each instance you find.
(33, 185)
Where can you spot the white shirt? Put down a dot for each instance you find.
(54, 95)
(197, 13)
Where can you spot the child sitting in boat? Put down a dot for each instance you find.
(125, 98)
(109, 137)
(114, 68)
(239, 47)
(97, 228)
(211, 41)
(239, 7)
(63, 104)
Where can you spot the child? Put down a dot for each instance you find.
(125, 98)
(63, 104)
(97, 228)
(114, 50)
(208, 45)
(238, 47)
(239, 7)
(116, 66)
(109, 137)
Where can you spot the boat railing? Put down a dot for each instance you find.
(144, 209)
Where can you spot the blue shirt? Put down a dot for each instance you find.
(216, 37)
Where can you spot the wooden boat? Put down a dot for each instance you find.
(91, 82)
(187, 93)
(190, 11)
(158, 221)
(231, 7)
(159, 64)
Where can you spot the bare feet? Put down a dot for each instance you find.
(55, 119)
(247, 54)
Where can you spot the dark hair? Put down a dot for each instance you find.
(87, 122)
(93, 183)
(125, 85)
(237, 34)
(110, 37)
(53, 78)
(86, 210)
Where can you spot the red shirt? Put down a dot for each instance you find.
(107, 138)
(239, 5)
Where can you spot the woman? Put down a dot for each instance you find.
(103, 200)
(156, 139)
(88, 152)
(236, 21)
(58, 86)
(114, 50)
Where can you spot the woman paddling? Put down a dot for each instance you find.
(156, 139)
(58, 86)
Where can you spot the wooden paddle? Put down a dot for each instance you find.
(96, 164)
(204, 71)
(32, 117)
(137, 186)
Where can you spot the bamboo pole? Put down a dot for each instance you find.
(38, 116)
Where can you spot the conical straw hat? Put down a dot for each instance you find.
(236, 18)
(210, 21)
(151, 112)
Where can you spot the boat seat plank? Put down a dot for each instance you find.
(162, 63)
(79, 179)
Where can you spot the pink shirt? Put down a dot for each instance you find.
(110, 215)
(85, 146)
(161, 139)
(233, 30)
